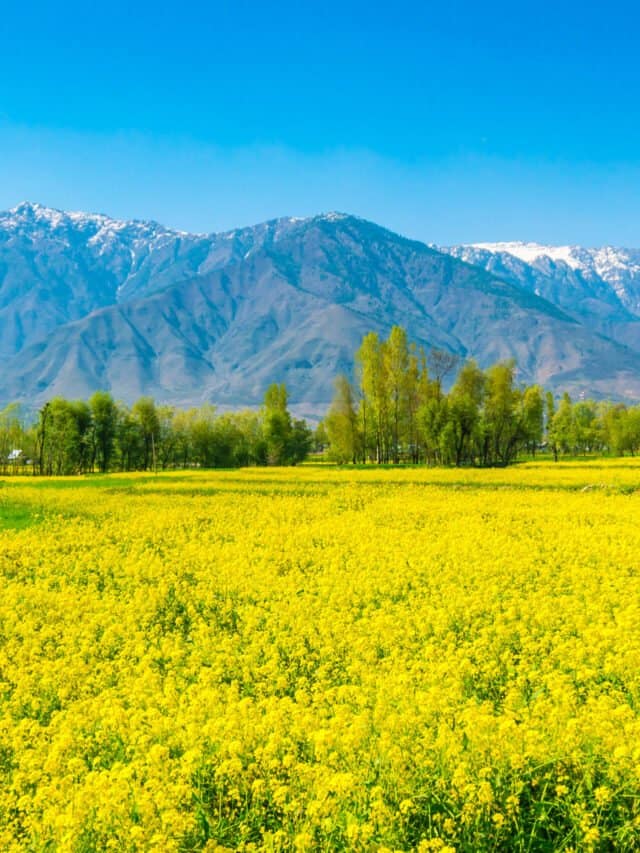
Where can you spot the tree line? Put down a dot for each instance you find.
(397, 410)
(75, 437)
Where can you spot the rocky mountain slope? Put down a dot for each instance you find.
(599, 287)
(89, 302)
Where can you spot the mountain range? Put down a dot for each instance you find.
(90, 302)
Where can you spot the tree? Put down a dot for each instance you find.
(202, 436)
(62, 429)
(277, 424)
(128, 440)
(441, 364)
(84, 425)
(620, 428)
(183, 447)
(300, 441)
(586, 428)
(42, 429)
(13, 437)
(373, 408)
(633, 429)
(502, 422)
(395, 353)
(465, 401)
(550, 411)
(104, 415)
(250, 424)
(433, 417)
(561, 432)
(145, 416)
(320, 438)
(341, 423)
(166, 443)
(532, 417)
(417, 387)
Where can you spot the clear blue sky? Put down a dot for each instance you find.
(449, 122)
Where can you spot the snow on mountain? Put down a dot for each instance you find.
(32, 219)
(619, 268)
(87, 301)
(530, 252)
(600, 288)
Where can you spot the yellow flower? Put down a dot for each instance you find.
(246, 653)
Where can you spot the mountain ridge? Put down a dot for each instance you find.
(87, 301)
(599, 287)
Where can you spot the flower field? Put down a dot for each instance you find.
(322, 659)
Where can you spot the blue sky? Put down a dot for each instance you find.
(453, 122)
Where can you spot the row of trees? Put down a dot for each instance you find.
(589, 427)
(102, 435)
(397, 410)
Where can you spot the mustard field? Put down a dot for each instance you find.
(322, 659)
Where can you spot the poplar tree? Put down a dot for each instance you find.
(373, 406)
(104, 413)
(341, 423)
(395, 355)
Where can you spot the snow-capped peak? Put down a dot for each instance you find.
(30, 214)
(334, 216)
(530, 252)
(28, 207)
(607, 262)
(608, 272)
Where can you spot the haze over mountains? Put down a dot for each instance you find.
(89, 302)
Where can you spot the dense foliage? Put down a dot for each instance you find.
(234, 661)
(397, 410)
(78, 437)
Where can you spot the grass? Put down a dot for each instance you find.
(15, 516)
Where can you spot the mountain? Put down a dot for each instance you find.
(598, 287)
(57, 267)
(90, 302)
